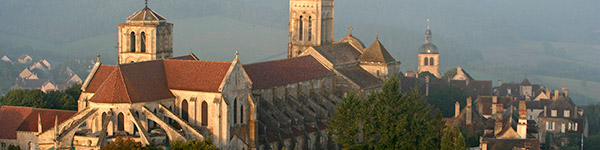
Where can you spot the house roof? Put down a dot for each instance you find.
(135, 82)
(47, 117)
(10, 119)
(285, 71)
(23, 56)
(526, 82)
(339, 54)
(376, 53)
(361, 77)
(31, 83)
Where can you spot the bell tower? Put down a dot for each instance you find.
(145, 36)
(311, 24)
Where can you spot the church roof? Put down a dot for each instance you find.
(189, 56)
(376, 53)
(360, 77)
(285, 71)
(339, 54)
(353, 41)
(526, 82)
(204, 76)
(99, 77)
(10, 119)
(146, 14)
(428, 48)
(47, 118)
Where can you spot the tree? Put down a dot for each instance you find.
(193, 145)
(66, 100)
(128, 144)
(449, 73)
(592, 115)
(13, 147)
(445, 97)
(390, 120)
(344, 124)
(453, 139)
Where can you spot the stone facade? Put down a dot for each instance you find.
(311, 24)
(144, 38)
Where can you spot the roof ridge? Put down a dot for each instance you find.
(196, 61)
(124, 85)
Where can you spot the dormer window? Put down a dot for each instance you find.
(567, 113)
(553, 113)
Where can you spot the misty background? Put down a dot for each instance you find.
(551, 42)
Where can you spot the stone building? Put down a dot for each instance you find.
(311, 24)
(561, 118)
(510, 129)
(429, 56)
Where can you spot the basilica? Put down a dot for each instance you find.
(154, 97)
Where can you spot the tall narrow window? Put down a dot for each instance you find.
(132, 42)
(309, 28)
(143, 42)
(242, 114)
(103, 118)
(235, 110)
(301, 29)
(431, 61)
(120, 122)
(426, 61)
(184, 110)
(204, 113)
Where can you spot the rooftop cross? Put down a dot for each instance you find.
(146, 3)
(377, 36)
(350, 28)
(427, 23)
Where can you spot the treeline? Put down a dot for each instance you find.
(130, 144)
(66, 100)
(391, 120)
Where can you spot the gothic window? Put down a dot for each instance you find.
(103, 117)
(426, 61)
(204, 113)
(121, 122)
(309, 28)
(184, 110)
(235, 110)
(242, 114)
(431, 61)
(143, 42)
(301, 29)
(132, 42)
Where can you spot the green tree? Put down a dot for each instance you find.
(344, 124)
(445, 97)
(128, 144)
(13, 147)
(193, 145)
(453, 139)
(449, 73)
(36, 98)
(592, 114)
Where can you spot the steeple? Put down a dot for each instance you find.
(311, 24)
(428, 33)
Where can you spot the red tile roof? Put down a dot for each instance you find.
(132, 83)
(195, 75)
(99, 77)
(47, 116)
(10, 119)
(285, 71)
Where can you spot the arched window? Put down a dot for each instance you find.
(309, 28)
(184, 110)
(431, 61)
(132, 42)
(103, 117)
(143, 42)
(235, 110)
(242, 114)
(121, 122)
(301, 29)
(204, 112)
(426, 61)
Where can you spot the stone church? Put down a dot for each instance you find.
(152, 97)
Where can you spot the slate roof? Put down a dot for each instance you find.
(339, 54)
(189, 56)
(285, 71)
(145, 14)
(353, 41)
(428, 48)
(360, 77)
(10, 119)
(376, 53)
(47, 117)
(526, 82)
(31, 83)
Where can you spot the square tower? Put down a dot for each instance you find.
(311, 24)
(145, 36)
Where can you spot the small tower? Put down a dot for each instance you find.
(145, 36)
(429, 56)
(311, 24)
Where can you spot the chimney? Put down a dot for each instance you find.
(545, 111)
(456, 109)
(548, 92)
(499, 83)
(39, 124)
(499, 112)
(469, 114)
(494, 99)
(555, 95)
(575, 113)
(522, 126)
(566, 93)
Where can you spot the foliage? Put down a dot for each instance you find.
(193, 145)
(128, 144)
(13, 147)
(592, 142)
(449, 73)
(425, 74)
(388, 120)
(472, 135)
(592, 115)
(445, 97)
(66, 99)
(453, 139)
